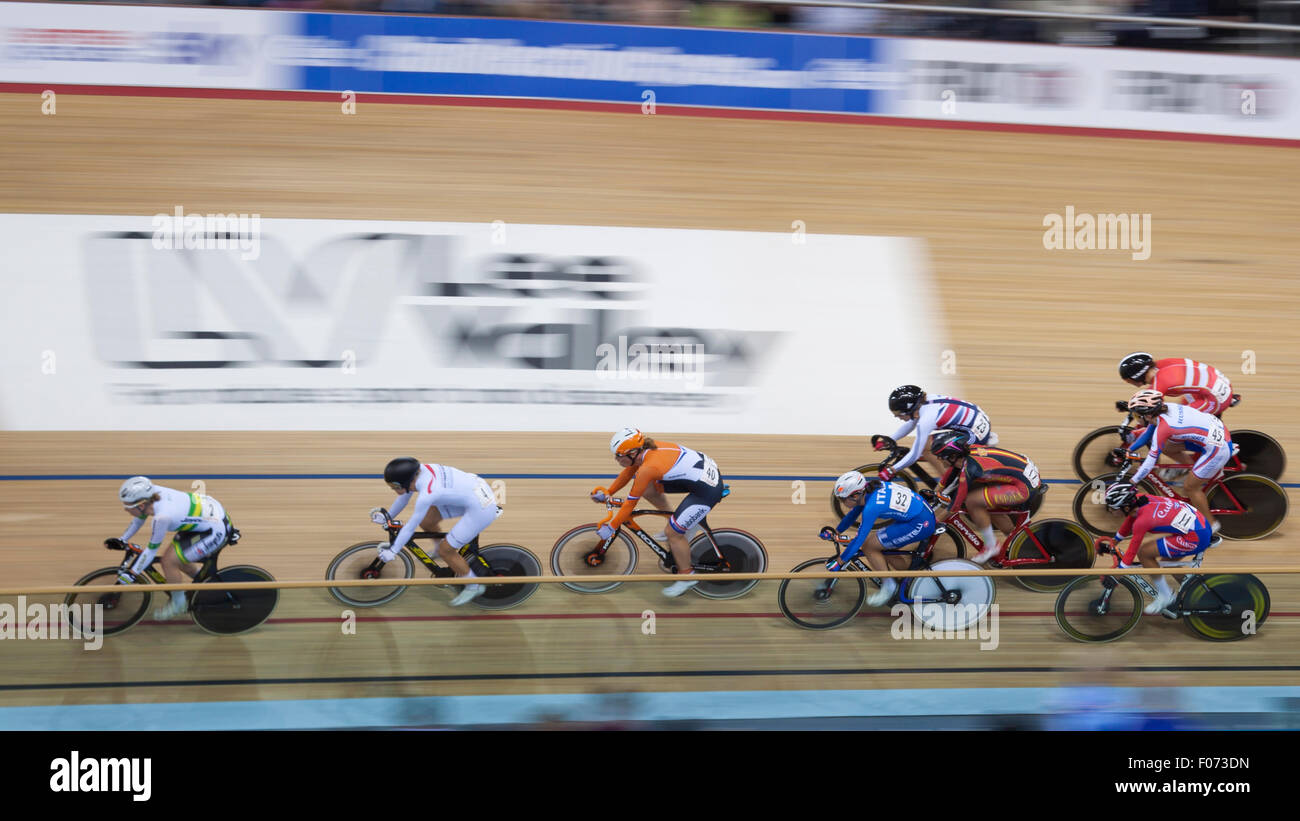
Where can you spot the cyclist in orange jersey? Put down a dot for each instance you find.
(987, 481)
(656, 468)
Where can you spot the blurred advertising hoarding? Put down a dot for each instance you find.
(457, 326)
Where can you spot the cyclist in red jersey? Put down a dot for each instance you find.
(988, 482)
(1193, 383)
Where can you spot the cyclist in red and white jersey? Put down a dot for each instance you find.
(1201, 386)
(1198, 432)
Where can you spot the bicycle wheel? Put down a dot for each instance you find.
(871, 472)
(1067, 544)
(1261, 501)
(123, 606)
(508, 560)
(226, 612)
(975, 597)
(1098, 608)
(819, 604)
(1260, 453)
(347, 566)
(570, 555)
(1245, 598)
(950, 545)
(1090, 505)
(1093, 453)
(741, 552)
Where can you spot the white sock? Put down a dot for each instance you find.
(178, 596)
(990, 540)
(1162, 587)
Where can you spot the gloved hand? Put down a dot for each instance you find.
(1122, 407)
(115, 544)
(598, 495)
(604, 532)
(833, 564)
(880, 443)
(125, 577)
(943, 498)
(1105, 544)
(378, 516)
(886, 474)
(828, 534)
(387, 553)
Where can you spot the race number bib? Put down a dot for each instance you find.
(1222, 387)
(980, 427)
(1185, 520)
(710, 473)
(900, 498)
(484, 495)
(1031, 473)
(1214, 435)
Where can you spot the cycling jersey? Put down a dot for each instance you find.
(200, 518)
(673, 469)
(1008, 480)
(1200, 431)
(943, 413)
(1187, 528)
(456, 494)
(910, 519)
(1204, 387)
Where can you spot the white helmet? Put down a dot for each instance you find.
(849, 484)
(135, 489)
(626, 439)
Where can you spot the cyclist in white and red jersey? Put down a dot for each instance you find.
(441, 492)
(1198, 432)
(1196, 384)
(927, 415)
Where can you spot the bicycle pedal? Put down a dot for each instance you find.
(1169, 614)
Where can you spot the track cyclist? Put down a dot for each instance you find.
(926, 416)
(1201, 387)
(985, 482)
(1197, 431)
(656, 468)
(1179, 529)
(200, 523)
(441, 492)
(909, 520)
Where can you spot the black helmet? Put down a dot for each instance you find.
(1135, 365)
(950, 444)
(905, 399)
(401, 471)
(1121, 496)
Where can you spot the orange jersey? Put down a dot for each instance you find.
(670, 466)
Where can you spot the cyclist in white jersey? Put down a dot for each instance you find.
(200, 523)
(927, 415)
(441, 492)
(1198, 432)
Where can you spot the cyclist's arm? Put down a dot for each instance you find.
(647, 475)
(422, 505)
(907, 428)
(623, 478)
(964, 482)
(1159, 433)
(133, 528)
(399, 505)
(1139, 532)
(161, 527)
(924, 427)
(849, 519)
(869, 513)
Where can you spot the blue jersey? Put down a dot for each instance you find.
(893, 502)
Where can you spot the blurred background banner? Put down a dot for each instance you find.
(453, 326)
(647, 67)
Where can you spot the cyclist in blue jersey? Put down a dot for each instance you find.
(910, 520)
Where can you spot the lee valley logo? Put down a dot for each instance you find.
(74, 622)
(77, 774)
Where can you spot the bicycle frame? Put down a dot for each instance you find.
(920, 560)
(1189, 583)
(469, 551)
(1165, 489)
(665, 555)
(1233, 465)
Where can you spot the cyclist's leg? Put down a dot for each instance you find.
(472, 522)
(181, 563)
(1206, 468)
(692, 510)
(977, 510)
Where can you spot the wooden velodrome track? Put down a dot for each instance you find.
(1036, 334)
